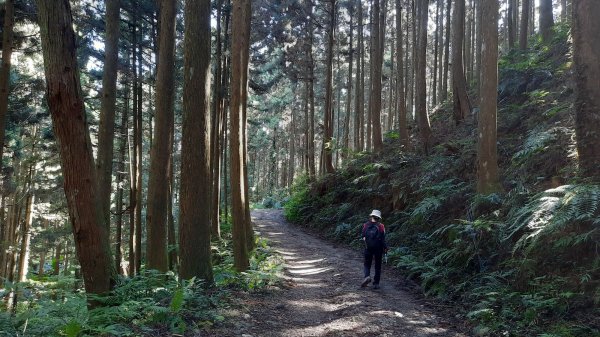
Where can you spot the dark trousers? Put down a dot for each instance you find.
(369, 255)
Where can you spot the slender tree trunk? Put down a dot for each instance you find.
(25, 242)
(346, 140)
(121, 190)
(158, 183)
(131, 139)
(462, 104)
(510, 22)
(106, 129)
(563, 11)
(421, 88)
(447, 50)
(241, 8)
(194, 229)
(376, 80)
(311, 97)
(524, 30)
(7, 47)
(358, 99)
(435, 54)
(70, 127)
(586, 45)
(172, 243)
(400, 96)
(216, 132)
(546, 20)
(328, 121)
(487, 162)
(140, 155)
(478, 47)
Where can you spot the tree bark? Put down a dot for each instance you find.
(376, 79)
(241, 8)
(358, 99)
(121, 190)
(158, 182)
(106, 128)
(524, 30)
(346, 140)
(510, 22)
(70, 127)
(420, 78)
(195, 196)
(487, 161)
(401, 92)
(447, 51)
(462, 104)
(586, 46)
(26, 240)
(7, 48)
(546, 20)
(328, 120)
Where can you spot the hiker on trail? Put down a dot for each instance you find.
(373, 234)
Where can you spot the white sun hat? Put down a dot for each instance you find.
(376, 213)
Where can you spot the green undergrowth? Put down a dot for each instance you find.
(151, 303)
(522, 262)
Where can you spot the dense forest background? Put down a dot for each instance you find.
(138, 134)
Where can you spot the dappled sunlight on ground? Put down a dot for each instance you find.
(322, 294)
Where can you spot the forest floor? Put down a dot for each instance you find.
(321, 294)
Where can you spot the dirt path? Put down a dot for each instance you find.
(323, 297)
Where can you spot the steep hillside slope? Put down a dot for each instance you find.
(524, 262)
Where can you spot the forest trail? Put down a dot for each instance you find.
(322, 295)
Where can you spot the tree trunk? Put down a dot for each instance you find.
(524, 30)
(510, 22)
(436, 47)
(563, 11)
(140, 155)
(462, 104)
(121, 190)
(546, 20)
(586, 46)
(158, 182)
(346, 140)
(421, 85)
(311, 97)
(401, 93)
(194, 228)
(106, 128)
(447, 51)
(328, 120)
(478, 47)
(216, 130)
(358, 99)
(7, 47)
(241, 9)
(70, 127)
(25, 242)
(132, 153)
(376, 79)
(487, 162)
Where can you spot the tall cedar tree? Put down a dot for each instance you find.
(194, 225)
(377, 46)
(462, 104)
(546, 19)
(65, 101)
(106, 129)
(239, 65)
(586, 45)
(523, 30)
(420, 76)
(401, 95)
(7, 47)
(160, 159)
(487, 161)
(328, 120)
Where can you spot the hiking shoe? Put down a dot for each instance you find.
(375, 286)
(366, 281)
